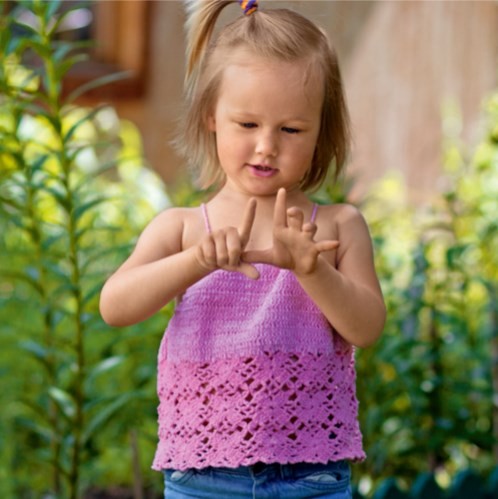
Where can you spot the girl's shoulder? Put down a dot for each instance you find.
(348, 226)
(182, 224)
(345, 222)
(339, 214)
(177, 214)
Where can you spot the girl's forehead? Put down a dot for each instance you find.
(248, 71)
(245, 60)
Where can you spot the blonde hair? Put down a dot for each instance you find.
(275, 34)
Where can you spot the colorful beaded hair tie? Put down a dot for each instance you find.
(249, 6)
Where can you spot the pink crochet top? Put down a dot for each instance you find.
(250, 370)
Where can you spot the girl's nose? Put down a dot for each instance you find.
(267, 144)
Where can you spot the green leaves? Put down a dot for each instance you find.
(105, 416)
(66, 403)
(65, 222)
(427, 388)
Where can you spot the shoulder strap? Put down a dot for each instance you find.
(313, 213)
(206, 218)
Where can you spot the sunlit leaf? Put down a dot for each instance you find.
(67, 64)
(104, 366)
(60, 196)
(61, 18)
(84, 208)
(50, 10)
(81, 121)
(64, 400)
(99, 82)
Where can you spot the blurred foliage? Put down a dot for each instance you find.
(427, 388)
(74, 195)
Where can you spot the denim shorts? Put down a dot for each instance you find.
(261, 481)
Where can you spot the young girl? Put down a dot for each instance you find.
(256, 373)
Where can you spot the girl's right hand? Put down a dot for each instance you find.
(223, 248)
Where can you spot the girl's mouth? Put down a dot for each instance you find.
(263, 171)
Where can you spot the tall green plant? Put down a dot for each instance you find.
(57, 242)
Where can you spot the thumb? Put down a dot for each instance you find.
(326, 246)
(248, 270)
(257, 256)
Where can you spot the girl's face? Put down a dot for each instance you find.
(266, 120)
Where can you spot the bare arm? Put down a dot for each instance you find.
(160, 269)
(349, 296)
(156, 272)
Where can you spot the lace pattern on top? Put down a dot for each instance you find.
(277, 407)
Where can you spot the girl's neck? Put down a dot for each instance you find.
(236, 198)
(228, 205)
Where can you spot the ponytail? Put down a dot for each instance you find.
(201, 19)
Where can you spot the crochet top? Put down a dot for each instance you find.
(250, 370)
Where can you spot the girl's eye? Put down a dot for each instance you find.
(248, 125)
(287, 129)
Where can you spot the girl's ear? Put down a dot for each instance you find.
(211, 123)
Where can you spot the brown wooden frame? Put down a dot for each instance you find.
(121, 31)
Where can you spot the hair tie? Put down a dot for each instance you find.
(249, 6)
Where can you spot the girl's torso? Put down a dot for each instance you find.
(252, 371)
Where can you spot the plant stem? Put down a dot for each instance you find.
(54, 98)
(35, 231)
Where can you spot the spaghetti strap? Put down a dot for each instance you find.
(206, 218)
(313, 213)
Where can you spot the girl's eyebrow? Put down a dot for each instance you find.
(249, 115)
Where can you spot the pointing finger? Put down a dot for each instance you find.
(247, 221)
(279, 213)
(234, 248)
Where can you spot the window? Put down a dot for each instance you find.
(119, 32)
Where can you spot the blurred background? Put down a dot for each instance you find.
(402, 63)
(89, 96)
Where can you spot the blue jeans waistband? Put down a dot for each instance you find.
(291, 471)
(261, 481)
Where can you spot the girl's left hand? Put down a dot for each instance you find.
(293, 244)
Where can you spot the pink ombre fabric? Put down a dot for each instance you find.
(251, 371)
